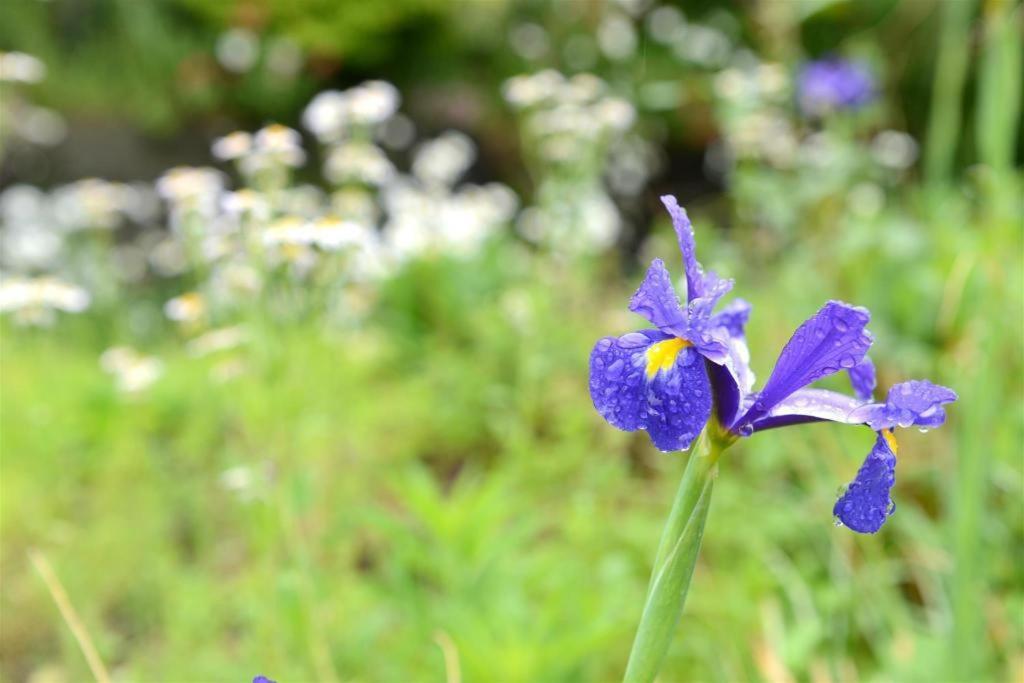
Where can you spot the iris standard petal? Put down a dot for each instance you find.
(811, 405)
(651, 380)
(688, 247)
(833, 339)
(656, 301)
(733, 317)
(865, 505)
(915, 403)
(862, 379)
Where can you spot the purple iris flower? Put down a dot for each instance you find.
(695, 362)
(833, 83)
(262, 679)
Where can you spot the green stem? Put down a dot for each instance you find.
(677, 555)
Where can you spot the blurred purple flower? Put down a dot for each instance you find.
(262, 679)
(833, 84)
(670, 380)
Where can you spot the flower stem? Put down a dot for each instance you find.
(677, 555)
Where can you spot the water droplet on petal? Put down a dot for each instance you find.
(614, 370)
(840, 325)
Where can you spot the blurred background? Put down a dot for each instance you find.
(298, 296)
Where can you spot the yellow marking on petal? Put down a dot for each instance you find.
(662, 356)
(890, 439)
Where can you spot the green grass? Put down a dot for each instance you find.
(439, 476)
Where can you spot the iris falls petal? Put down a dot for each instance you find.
(651, 380)
(865, 504)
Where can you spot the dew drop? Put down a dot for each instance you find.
(891, 509)
(633, 340)
(848, 362)
(838, 523)
(840, 325)
(614, 370)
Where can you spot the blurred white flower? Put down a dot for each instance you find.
(529, 90)
(132, 371)
(188, 187)
(894, 149)
(19, 67)
(358, 162)
(327, 115)
(617, 37)
(237, 50)
(232, 146)
(246, 204)
(372, 102)
(34, 301)
(444, 159)
(188, 308)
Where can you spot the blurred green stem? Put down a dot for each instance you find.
(947, 92)
(677, 555)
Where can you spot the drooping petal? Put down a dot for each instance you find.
(617, 382)
(651, 380)
(678, 402)
(865, 505)
(914, 403)
(688, 247)
(656, 301)
(862, 379)
(834, 338)
(811, 405)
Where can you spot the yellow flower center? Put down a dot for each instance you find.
(890, 439)
(662, 356)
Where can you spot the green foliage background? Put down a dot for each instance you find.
(438, 481)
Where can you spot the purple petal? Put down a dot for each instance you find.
(914, 403)
(664, 389)
(656, 301)
(834, 338)
(262, 679)
(732, 381)
(865, 505)
(688, 247)
(862, 379)
(733, 317)
(679, 402)
(714, 288)
(811, 405)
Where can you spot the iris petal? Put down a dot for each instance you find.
(865, 505)
(656, 301)
(834, 338)
(811, 405)
(679, 402)
(914, 403)
(862, 379)
(688, 247)
(668, 395)
(733, 380)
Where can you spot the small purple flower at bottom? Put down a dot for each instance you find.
(262, 679)
(832, 84)
(670, 380)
